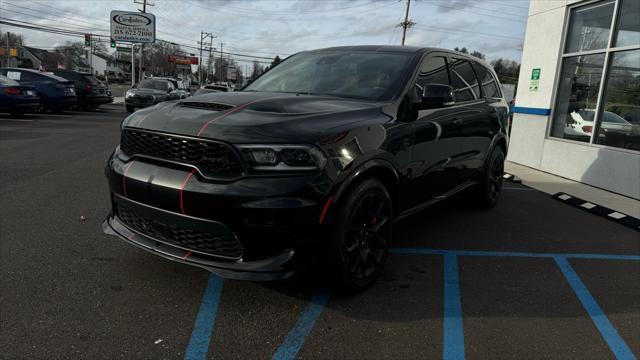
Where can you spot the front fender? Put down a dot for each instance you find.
(380, 168)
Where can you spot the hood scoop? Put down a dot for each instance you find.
(206, 105)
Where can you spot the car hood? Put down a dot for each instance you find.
(147, 92)
(257, 117)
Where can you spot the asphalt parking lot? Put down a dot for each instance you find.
(533, 278)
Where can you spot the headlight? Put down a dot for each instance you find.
(283, 157)
(129, 93)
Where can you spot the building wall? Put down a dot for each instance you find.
(613, 169)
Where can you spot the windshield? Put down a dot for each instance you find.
(364, 75)
(153, 84)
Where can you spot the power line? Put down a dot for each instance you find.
(76, 33)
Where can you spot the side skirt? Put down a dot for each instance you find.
(436, 199)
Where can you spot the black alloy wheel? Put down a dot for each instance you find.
(490, 187)
(362, 234)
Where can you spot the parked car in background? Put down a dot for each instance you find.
(56, 93)
(149, 92)
(90, 91)
(579, 125)
(313, 161)
(16, 99)
(181, 88)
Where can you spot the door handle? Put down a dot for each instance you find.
(457, 121)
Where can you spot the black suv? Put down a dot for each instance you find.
(316, 159)
(90, 91)
(151, 91)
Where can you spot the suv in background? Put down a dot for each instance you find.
(149, 92)
(90, 91)
(316, 159)
(56, 93)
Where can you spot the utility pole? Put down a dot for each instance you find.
(6, 54)
(144, 10)
(133, 64)
(203, 36)
(221, 60)
(406, 24)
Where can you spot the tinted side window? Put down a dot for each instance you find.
(488, 82)
(29, 76)
(432, 71)
(464, 80)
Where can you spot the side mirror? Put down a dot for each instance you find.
(436, 96)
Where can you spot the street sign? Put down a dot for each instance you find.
(534, 84)
(123, 49)
(133, 27)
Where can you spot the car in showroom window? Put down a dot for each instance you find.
(599, 83)
(311, 163)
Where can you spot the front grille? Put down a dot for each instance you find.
(209, 244)
(143, 99)
(215, 160)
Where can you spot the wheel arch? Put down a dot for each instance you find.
(379, 169)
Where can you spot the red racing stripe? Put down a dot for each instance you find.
(235, 109)
(184, 183)
(325, 209)
(124, 177)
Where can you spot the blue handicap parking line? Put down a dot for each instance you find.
(453, 339)
(453, 328)
(453, 332)
(297, 336)
(203, 327)
(608, 332)
(420, 251)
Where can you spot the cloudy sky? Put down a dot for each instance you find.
(267, 28)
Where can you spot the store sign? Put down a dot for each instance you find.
(123, 49)
(182, 60)
(133, 27)
(535, 79)
(13, 52)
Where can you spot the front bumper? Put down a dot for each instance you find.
(182, 217)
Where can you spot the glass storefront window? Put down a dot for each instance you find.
(620, 121)
(577, 97)
(595, 104)
(589, 27)
(628, 32)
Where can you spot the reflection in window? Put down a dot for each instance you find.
(489, 84)
(620, 125)
(577, 99)
(628, 24)
(464, 81)
(589, 27)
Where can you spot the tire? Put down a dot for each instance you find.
(361, 233)
(17, 114)
(489, 189)
(130, 108)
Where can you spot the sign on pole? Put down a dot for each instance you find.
(123, 49)
(535, 79)
(182, 60)
(133, 27)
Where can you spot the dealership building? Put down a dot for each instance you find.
(577, 112)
